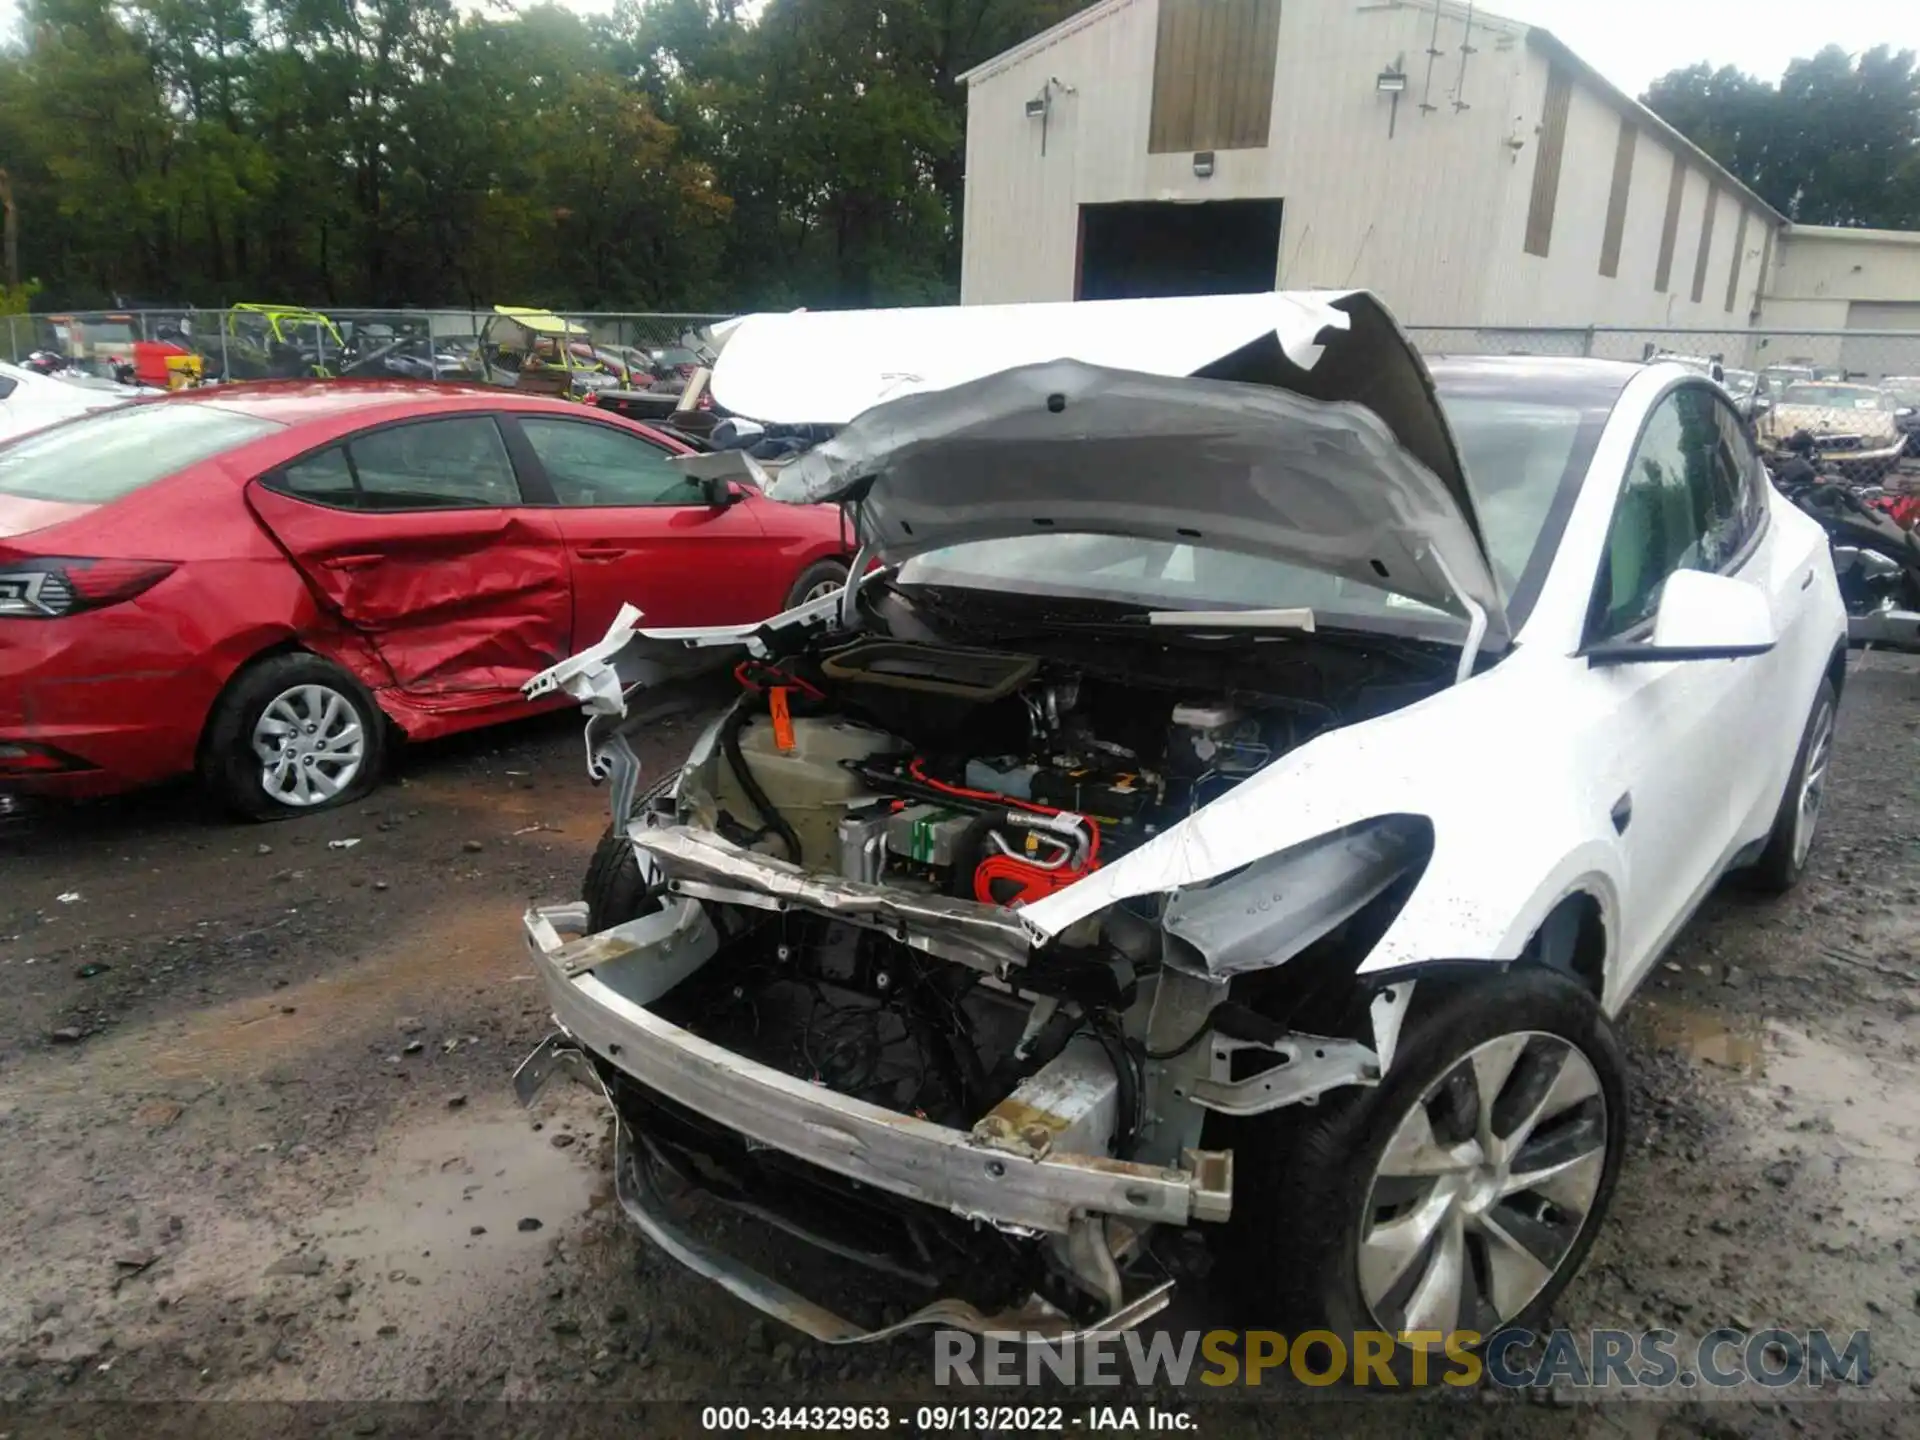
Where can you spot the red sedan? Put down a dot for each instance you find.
(265, 583)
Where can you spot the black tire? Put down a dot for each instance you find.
(1784, 861)
(821, 573)
(237, 775)
(613, 887)
(1305, 1194)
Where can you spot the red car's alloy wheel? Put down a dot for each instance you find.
(312, 742)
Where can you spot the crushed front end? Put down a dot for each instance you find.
(818, 998)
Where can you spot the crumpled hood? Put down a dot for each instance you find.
(1315, 437)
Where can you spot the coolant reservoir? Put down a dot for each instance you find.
(809, 784)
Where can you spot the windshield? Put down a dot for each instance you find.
(1835, 397)
(1524, 459)
(1741, 382)
(1905, 392)
(112, 453)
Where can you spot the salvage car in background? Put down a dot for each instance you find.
(279, 342)
(30, 400)
(1237, 804)
(545, 354)
(1905, 390)
(1853, 426)
(257, 582)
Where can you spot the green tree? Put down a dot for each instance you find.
(1835, 142)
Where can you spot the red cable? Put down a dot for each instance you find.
(916, 770)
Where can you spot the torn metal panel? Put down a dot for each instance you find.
(455, 602)
(696, 862)
(1279, 905)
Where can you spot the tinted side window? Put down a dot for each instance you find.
(1680, 508)
(325, 478)
(434, 464)
(593, 464)
(7, 385)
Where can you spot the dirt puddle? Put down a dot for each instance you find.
(446, 1205)
(1812, 1106)
(449, 956)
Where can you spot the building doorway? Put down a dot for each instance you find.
(1216, 247)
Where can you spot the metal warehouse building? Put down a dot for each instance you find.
(1470, 169)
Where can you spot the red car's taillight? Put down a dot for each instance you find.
(49, 589)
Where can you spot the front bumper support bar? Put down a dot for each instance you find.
(640, 1197)
(900, 1154)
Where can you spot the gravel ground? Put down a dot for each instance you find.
(257, 1141)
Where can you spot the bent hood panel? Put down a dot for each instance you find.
(1072, 448)
(1302, 426)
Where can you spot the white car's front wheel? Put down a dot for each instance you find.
(1463, 1192)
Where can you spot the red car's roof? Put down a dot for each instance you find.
(295, 402)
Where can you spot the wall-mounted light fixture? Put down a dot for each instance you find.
(1392, 81)
(1040, 107)
(1203, 163)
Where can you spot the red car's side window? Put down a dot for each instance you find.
(591, 464)
(457, 463)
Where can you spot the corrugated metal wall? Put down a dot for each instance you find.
(1409, 214)
(1426, 202)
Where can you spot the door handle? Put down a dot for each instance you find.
(600, 552)
(1808, 582)
(351, 562)
(1622, 813)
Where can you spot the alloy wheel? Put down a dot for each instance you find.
(1813, 785)
(311, 742)
(820, 589)
(1485, 1188)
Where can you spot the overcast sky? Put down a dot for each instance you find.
(1633, 41)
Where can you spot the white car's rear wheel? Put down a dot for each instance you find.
(1463, 1192)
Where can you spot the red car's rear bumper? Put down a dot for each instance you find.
(115, 715)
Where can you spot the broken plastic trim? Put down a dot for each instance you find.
(1271, 910)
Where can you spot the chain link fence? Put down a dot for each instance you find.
(257, 342)
(1854, 393)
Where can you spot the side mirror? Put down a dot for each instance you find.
(718, 492)
(1701, 617)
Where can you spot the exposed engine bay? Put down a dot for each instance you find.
(1020, 779)
(984, 776)
(879, 776)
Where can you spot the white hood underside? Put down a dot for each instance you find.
(1070, 449)
(1315, 437)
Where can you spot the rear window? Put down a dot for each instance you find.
(102, 457)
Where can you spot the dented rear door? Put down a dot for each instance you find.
(417, 536)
